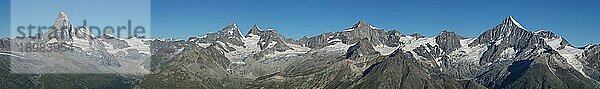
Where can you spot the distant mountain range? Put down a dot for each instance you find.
(507, 56)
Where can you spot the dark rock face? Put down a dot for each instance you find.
(363, 47)
(448, 41)
(163, 50)
(592, 62)
(393, 39)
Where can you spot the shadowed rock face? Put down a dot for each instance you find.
(448, 41)
(394, 38)
(592, 62)
(363, 47)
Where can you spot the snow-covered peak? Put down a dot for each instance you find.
(62, 16)
(62, 21)
(255, 27)
(360, 25)
(255, 30)
(511, 20)
(233, 30)
(231, 26)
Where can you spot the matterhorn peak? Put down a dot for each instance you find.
(62, 15)
(61, 29)
(62, 21)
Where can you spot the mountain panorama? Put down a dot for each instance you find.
(507, 56)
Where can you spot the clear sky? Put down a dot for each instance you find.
(577, 20)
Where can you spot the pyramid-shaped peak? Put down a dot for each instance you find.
(511, 20)
(361, 23)
(231, 26)
(255, 30)
(62, 15)
(62, 19)
(255, 27)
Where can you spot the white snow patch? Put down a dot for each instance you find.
(347, 30)
(508, 53)
(337, 47)
(466, 53)
(204, 45)
(515, 22)
(570, 53)
(414, 43)
(385, 50)
(334, 40)
(250, 47)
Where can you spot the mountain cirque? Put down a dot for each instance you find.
(362, 56)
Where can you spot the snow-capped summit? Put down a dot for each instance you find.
(363, 25)
(509, 31)
(512, 20)
(232, 29)
(61, 29)
(229, 35)
(255, 30)
(62, 19)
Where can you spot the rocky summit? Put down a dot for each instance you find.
(507, 56)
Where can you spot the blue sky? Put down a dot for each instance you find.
(578, 20)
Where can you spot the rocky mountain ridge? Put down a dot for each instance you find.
(362, 56)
